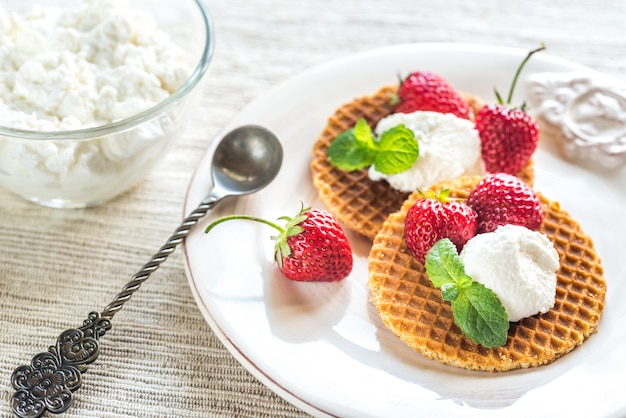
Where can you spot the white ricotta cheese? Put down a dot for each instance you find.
(449, 147)
(76, 68)
(68, 69)
(518, 265)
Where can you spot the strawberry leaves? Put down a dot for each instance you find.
(292, 228)
(395, 151)
(476, 309)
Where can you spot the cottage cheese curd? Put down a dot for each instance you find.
(449, 147)
(518, 265)
(69, 69)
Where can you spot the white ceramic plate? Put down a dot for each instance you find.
(322, 346)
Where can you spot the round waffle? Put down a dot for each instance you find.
(362, 205)
(414, 310)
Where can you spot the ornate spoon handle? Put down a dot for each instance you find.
(48, 382)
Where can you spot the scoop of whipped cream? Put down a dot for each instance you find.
(449, 147)
(519, 265)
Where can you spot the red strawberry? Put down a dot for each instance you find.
(312, 247)
(423, 90)
(501, 199)
(435, 217)
(508, 136)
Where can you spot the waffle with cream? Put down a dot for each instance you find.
(361, 204)
(415, 312)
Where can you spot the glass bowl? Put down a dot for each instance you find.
(55, 160)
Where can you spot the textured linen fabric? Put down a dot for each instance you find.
(161, 359)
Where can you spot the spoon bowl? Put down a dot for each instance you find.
(245, 161)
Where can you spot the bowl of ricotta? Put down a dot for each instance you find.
(94, 93)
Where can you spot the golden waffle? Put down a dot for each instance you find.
(414, 311)
(362, 205)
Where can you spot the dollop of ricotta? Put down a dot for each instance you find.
(81, 67)
(67, 69)
(519, 265)
(449, 147)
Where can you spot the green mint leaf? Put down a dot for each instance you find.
(357, 148)
(464, 281)
(449, 292)
(349, 154)
(398, 150)
(476, 309)
(443, 264)
(363, 135)
(481, 316)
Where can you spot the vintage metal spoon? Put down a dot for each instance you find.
(245, 161)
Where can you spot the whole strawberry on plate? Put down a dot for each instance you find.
(311, 247)
(423, 90)
(501, 199)
(435, 217)
(508, 135)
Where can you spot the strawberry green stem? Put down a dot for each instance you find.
(246, 217)
(281, 247)
(519, 71)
